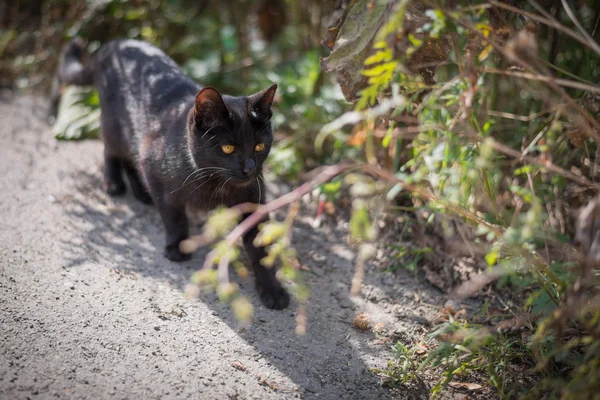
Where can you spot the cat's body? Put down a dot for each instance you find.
(177, 144)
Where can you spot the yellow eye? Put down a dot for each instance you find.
(227, 148)
(259, 147)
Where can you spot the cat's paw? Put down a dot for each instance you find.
(274, 297)
(174, 254)
(115, 188)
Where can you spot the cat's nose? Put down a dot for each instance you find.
(249, 167)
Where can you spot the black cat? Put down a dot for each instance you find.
(178, 144)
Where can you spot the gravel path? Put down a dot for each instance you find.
(90, 309)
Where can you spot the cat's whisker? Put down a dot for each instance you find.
(202, 184)
(188, 177)
(202, 176)
(219, 188)
(209, 129)
(196, 178)
(269, 191)
(211, 170)
(226, 182)
(263, 127)
(213, 193)
(198, 170)
(259, 191)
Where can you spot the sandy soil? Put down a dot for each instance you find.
(89, 308)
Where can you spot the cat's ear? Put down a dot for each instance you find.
(210, 109)
(260, 103)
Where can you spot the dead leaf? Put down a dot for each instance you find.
(239, 366)
(361, 322)
(465, 385)
(351, 45)
(378, 327)
(577, 137)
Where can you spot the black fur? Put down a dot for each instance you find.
(166, 134)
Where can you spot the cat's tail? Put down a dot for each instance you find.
(71, 71)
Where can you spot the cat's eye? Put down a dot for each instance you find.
(259, 147)
(227, 148)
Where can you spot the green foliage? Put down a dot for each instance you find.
(403, 368)
(469, 349)
(481, 153)
(78, 115)
(408, 258)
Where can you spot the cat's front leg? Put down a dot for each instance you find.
(176, 226)
(270, 291)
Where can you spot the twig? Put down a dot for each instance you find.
(586, 35)
(544, 78)
(596, 26)
(437, 93)
(261, 211)
(523, 118)
(545, 164)
(535, 140)
(511, 55)
(553, 23)
(427, 195)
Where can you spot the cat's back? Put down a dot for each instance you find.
(141, 73)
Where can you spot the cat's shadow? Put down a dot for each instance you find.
(327, 362)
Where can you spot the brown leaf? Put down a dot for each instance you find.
(361, 322)
(358, 136)
(577, 137)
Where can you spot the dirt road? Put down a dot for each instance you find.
(90, 309)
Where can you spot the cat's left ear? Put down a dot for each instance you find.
(260, 103)
(209, 108)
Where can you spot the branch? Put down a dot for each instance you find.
(511, 55)
(260, 211)
(552, 23)
(544, 164)
(544, 78)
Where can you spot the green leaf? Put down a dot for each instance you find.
(492, 257)
(78, 115)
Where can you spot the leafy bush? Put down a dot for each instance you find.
(492, 127)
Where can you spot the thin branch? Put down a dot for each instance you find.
(523, 118)
(552, 23)
(578, 25)
(261, 211)
(509, 54)
(544, 78)
(545, 164)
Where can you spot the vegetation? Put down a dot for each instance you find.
(478, 122)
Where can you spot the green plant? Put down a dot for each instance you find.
(498, 149)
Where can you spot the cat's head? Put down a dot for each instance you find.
(233, 133)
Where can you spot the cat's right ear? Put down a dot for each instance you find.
(210, 109)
